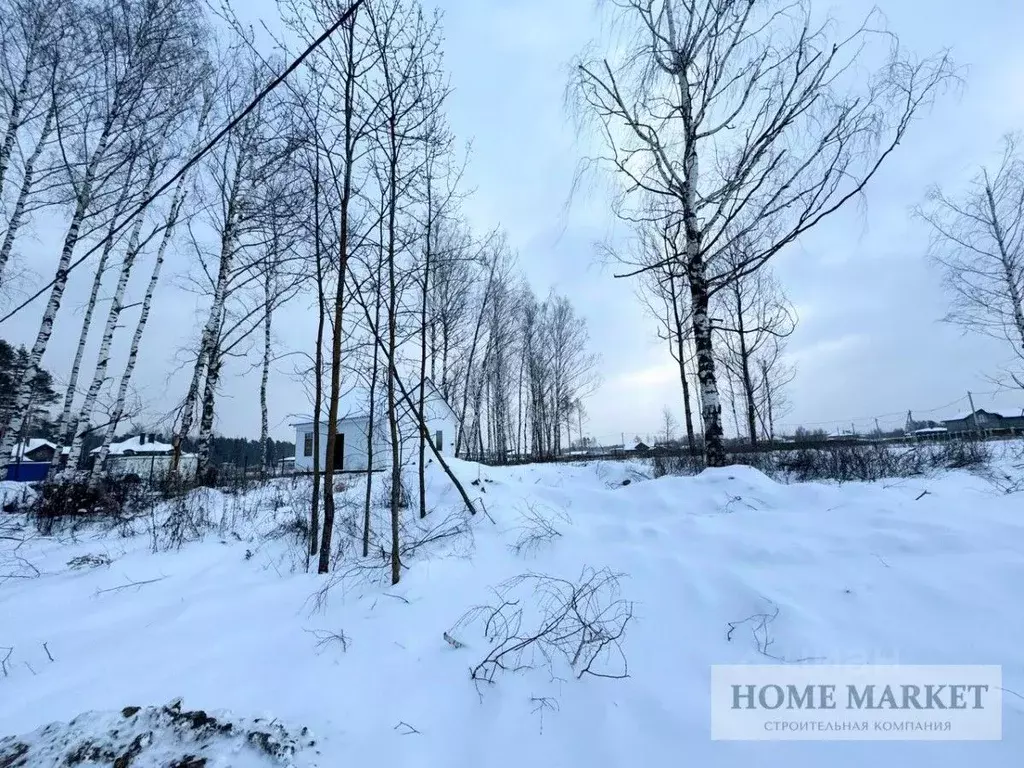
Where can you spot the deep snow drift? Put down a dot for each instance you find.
(380, 675)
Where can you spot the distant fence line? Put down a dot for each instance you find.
(733, 446)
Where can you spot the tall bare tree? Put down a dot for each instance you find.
(128, 50)
(756, 318)
(408, 42)
(744, 120)
(978, 242)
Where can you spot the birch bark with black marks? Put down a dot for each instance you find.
(117, 413)
(99, 378)
(31, 38)
(28, 180)
(128, 51)
(67, 425)
(23, 390)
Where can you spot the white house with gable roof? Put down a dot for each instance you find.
(144, 457)
(356, 444)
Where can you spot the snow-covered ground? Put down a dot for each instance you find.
(918, 571)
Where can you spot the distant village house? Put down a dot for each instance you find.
(355, 444)
(986, 423)
(143, 457)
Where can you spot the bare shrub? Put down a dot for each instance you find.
(451, 532)
(60, 505)
(383, 498)
(89, 561)
(538, 528)
(962, 454)
(665, 464)
(187, 520)
(847, 463)
(544, 621)
(13, 565)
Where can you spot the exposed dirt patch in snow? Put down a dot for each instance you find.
(159, 737)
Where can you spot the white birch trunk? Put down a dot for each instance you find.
(208, 356)
(64, 425)
(24, 387)
(13, 124)
(27, 181)
(103, 359)
(206, 420)
(140, 327)
(268, 296)
(1009, 262)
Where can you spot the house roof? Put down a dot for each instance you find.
(979, 412)
(136, 446)
(32, 444)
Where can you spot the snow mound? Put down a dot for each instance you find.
(159, 737)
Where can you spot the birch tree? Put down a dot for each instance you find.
(235, 173)
(30, 37)
(129, 188)
(664, 293)
(744, 119)
(36, 41)
(128, 46)
(440, 179)
(978, 243)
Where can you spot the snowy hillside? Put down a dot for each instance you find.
(726, 567)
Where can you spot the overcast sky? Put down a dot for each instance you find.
(869, 342)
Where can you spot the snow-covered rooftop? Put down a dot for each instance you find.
(32, 444)
(136, 446)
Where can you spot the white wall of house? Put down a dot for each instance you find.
(441, 423)
(155, 466)
(355, 447)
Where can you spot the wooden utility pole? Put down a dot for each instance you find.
(974, 413)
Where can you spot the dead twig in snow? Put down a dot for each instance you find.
(129, 585)
(582, 623)
(405, 729)
(537, 529)
(5, 659)
(48, 654)
(542, 703)
(452, 641)
(325, 638)
(760, 628)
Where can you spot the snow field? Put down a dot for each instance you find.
(723, 568)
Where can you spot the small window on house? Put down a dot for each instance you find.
(307, 444)
(438, 440)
